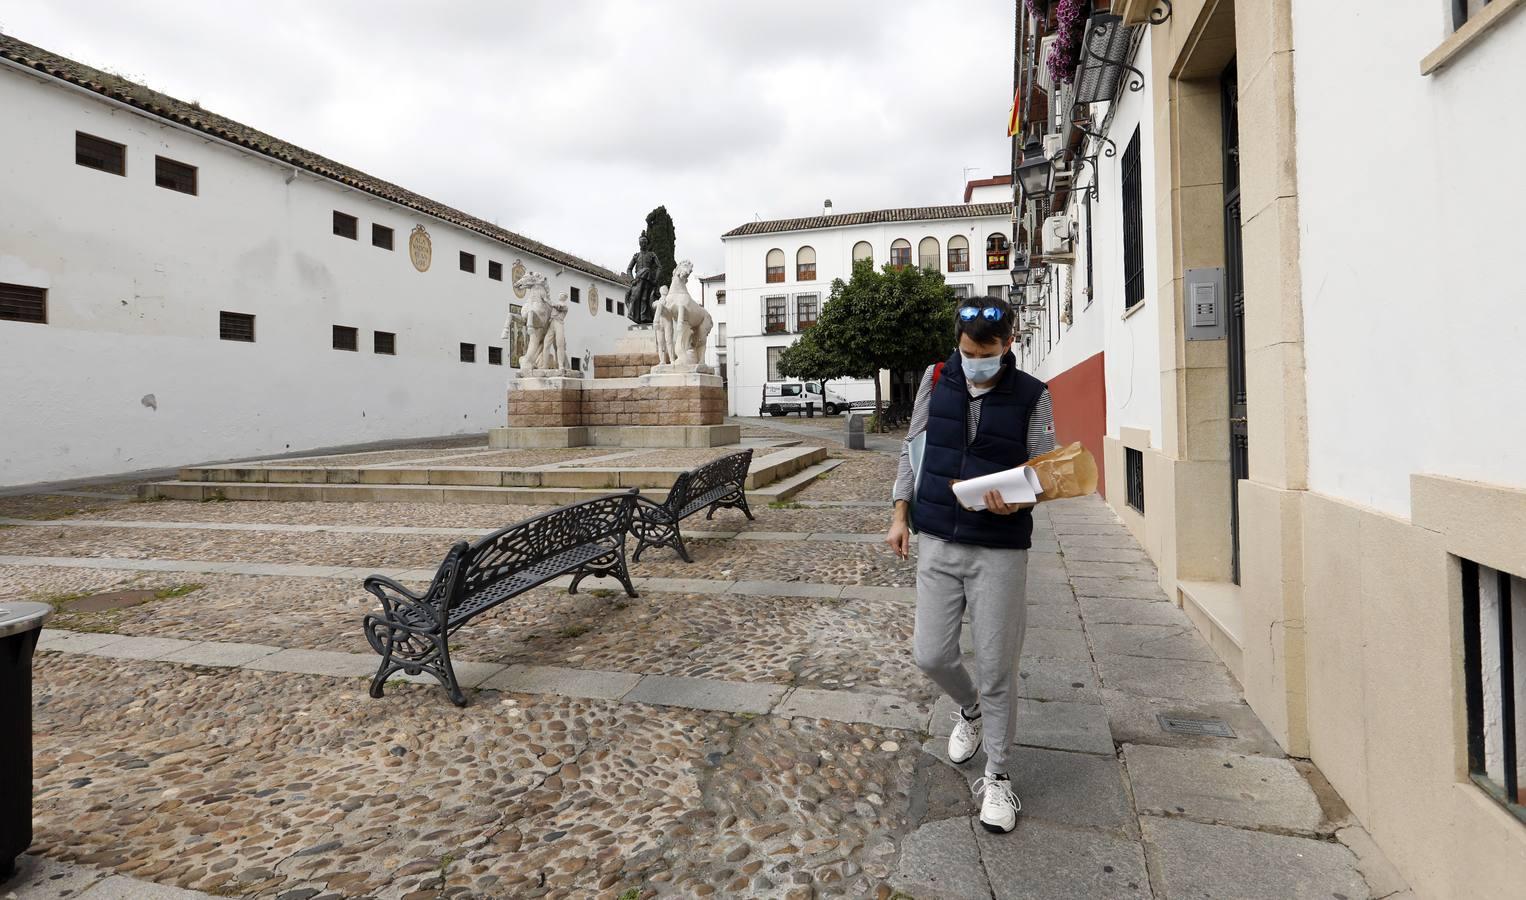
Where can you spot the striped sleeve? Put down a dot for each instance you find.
(1041, 426)
(904, 476)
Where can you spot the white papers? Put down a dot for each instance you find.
(1019, 485)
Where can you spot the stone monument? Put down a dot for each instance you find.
(683, 327)
(644, 270)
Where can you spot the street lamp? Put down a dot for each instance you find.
(1035, 173)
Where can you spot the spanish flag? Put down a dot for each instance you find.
(1013, 116)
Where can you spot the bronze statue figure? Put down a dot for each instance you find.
(640, 297)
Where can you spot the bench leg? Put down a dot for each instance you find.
(735, 501)
(419, 653)
(611, 566)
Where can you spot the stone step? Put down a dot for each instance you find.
(781, 489)
(766, 468)
(1215, 608)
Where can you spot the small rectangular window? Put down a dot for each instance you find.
(495, 356)
(495, 270)
(176, 176)
(234, 326)
(574, 296)
(345, 337)
(577, 364)
(468, 262)
(98, 153)
(345, 225)
(620, 307)
(384, 342)
(609, 303)
(1133, 226)
(720, 298)
(775, 312)
(1133, 464)
(381, 236)
(469, 353)
(805, 311)
(23, 303)
(1494, 681)
(773, 362)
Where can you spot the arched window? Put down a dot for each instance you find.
(775, 266)
(958, 253)
(862, 250)
(927, 254)
(805, 264)
(900, 253)
(996, 251)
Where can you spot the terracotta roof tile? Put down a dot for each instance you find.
(905, 214)
(193, 116)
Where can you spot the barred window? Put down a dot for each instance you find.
(958, 253)
(98, 153)
(805, 311)
(176, 176)
(345, 225)
(775, 313)
(381, 236)
(900, 253)
(1133, 227)
(927, 254)
(345, 337)
(233, 326)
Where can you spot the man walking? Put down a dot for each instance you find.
(981, 415)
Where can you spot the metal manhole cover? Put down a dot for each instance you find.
(1183, 725)
(112, 600)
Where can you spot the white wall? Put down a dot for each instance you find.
(1410, 210)
(1131, 345)
(991, 193)
(137, 274)
(746, 262)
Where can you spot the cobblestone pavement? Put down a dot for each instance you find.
(751, 726)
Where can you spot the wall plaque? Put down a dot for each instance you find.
(419, 249)
(593, 299)
(516, 272)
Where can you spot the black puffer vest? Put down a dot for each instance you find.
(1001, 442)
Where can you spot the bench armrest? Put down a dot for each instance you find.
(394, 598)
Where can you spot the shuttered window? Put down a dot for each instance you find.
(381, 236)
(234, 326)
(495, 356)
(345, 224)
(495, 270)
(176, 176)
(23, 303)
(468, 261)
(575, 297)
(469, 353)
(98, 153)
(345, 337)
(384, 342)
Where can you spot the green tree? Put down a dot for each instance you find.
(659, 229)
(895, 319)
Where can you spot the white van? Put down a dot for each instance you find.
(784, 397)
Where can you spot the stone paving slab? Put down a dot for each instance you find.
(317, 662)
(874, 592)
(1174, 678)
(584, 683)
(1222, 788)
(468, 674)
(141, 648)
(941, 859)
(787, 589)
(1048, 594)
(1058, 679)
(1060, 725)
(1077, 789)
(1055, 643)
(884, 710)
(1133, 720)
(705, 693)
(1116, 611)
(1045, 861)
(74, 641)
(213, 653)
(1083, 553)
(1052, 615)
(1154, 641)
(1128, 571)
(1116, 587)
(1196, 860)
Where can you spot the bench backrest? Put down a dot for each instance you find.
(690, 486)
(517, 547)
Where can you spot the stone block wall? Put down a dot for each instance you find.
(594, 405)
(554, 407)
(623, 365)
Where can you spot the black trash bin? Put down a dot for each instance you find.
(20, 625)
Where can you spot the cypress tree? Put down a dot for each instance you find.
(659, 229)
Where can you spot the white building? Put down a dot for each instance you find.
(177, 287)
(779, 273)
(712, 296)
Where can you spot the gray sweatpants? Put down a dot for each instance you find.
(992, 582)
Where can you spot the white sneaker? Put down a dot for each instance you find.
(999, 806)
(965, 739)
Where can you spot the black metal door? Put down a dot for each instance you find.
(1234, 284)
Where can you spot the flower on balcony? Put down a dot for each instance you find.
(1036, 7)
(1065, 52)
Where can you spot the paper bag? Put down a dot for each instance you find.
(1068, 471)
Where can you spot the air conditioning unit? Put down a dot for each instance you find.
(1054, 145)
(1056, 236)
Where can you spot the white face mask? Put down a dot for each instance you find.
(979, 369)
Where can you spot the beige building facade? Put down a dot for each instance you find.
(1331, 566)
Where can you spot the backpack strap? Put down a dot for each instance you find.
(937, 373)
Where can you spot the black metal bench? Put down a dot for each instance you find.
(412, 631)
(715, 485)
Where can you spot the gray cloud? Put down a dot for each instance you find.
(569, 120)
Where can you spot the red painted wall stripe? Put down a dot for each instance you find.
(1079, 395)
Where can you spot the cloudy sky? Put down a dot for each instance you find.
(568, 120)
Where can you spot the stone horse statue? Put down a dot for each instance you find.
(545, 331)
(683, 326)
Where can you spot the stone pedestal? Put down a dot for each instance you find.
(680, 407)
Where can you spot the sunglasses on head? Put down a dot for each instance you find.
(989, 313)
